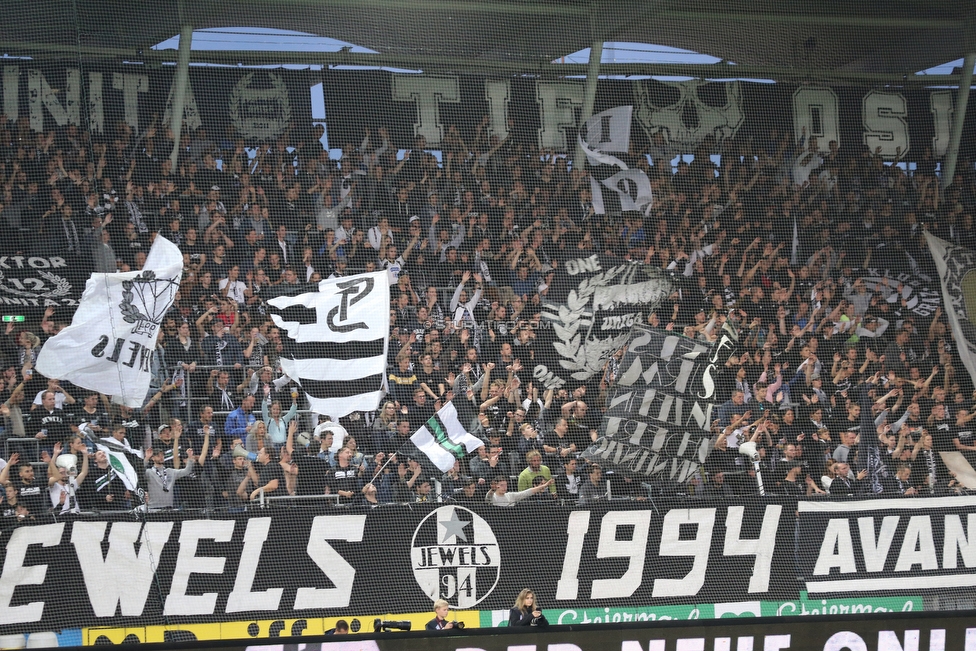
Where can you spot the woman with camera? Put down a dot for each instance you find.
(526, 611)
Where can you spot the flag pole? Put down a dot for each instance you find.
(385, 464)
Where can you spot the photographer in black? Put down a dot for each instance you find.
(440, 623)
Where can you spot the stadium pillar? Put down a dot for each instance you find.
(179, 90)
(589, 95)
(958, 118)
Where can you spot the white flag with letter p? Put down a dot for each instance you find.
(110, 343)
(335, 341)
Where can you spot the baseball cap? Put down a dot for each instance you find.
(215, 187)
(161, 428)
(467, 481)
(414, 218)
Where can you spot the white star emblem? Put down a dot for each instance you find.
(454, 527)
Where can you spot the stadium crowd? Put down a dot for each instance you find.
(842, 385)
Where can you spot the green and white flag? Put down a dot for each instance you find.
(121, 466)
(444, 440)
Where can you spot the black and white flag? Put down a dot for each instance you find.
(603, 134)
(658, 419)
(608, 131)
(588, 314)
(336, 342)
(957, 271)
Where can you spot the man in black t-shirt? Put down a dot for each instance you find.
(103, 490)
(964, 435)
(47, 424)
(344, 479)
(940, 427)
(264, 473)
(30, 492)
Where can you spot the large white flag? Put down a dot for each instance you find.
(336, 341)
(444, 440)
(110, 343)
(957, 271)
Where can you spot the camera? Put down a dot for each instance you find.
(385, 626)
(459, 625)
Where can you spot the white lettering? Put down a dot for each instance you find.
(917, 547)
(578, 524)
(672, 545)
(242, 599)
(188, 563)
(43, 96)
(940, 104)
(324, 527)
(497, 94)
(837, 536)
(427, 92)
(634, 550)
(761, 548)
(776, 642)
(815, 112)
(96, 105)
(15, 573)
(632, 645)
(888, 641)
(558, 103)
(131, 85)
(876, 553)
(955, 539)
(191, 115)
(885, 125)
(845, 640)
(122, 577)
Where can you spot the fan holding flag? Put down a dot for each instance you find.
(105, 490)
(437, 445)
(113, 477)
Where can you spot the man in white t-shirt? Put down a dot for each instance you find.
(232, 287)
(61, 397)
(62, 487)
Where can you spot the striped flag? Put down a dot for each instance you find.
(335, 341)
(444, 440)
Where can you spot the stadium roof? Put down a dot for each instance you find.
(829, 39)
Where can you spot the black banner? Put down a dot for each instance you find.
(546, 113)
(883, 633)
(659, 415)
(294, 564)
(886, 545)
(257, 105)
(589, 311)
